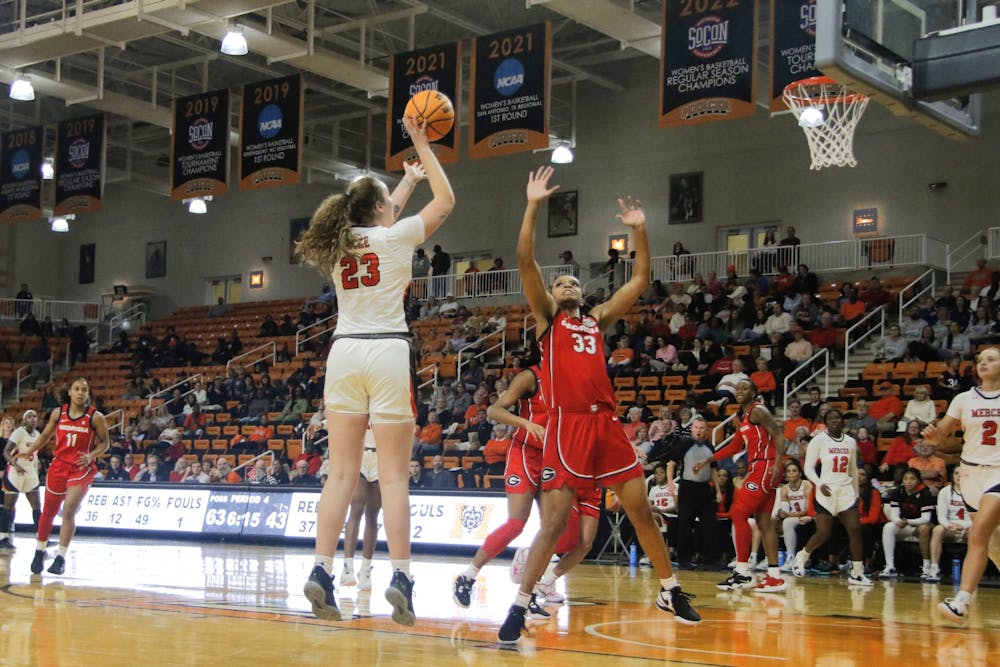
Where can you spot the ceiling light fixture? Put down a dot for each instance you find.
(21, 89)
(234, 43)
(563, 154)
(197, 206)
(48, 171)
(60, 224)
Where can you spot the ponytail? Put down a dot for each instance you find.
(329, 237)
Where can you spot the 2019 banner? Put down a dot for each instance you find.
(199, 147)
(21, 174)
(79, 165)
(271, 133)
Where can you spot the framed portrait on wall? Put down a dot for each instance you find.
(156, 259)
(563, 207)
(295, 228)
(685, 198)
(87, 251)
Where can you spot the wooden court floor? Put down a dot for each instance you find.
(132, 602)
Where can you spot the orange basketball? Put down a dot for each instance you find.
(436, 109)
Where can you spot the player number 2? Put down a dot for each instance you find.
(349, 277)
(840, 464)
(990, 434)
(583, 343)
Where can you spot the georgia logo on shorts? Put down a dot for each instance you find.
(513, 480)
(751, 486)
(548, 474)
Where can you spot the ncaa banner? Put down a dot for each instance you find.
(199, 147)
(21, 175)
(435, 68)
(509, 100)
(708, 61)
(271, 133)
(793, 46)
(79, 165)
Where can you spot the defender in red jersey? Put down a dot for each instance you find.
(585, 445)
(764, 442)
(81, 438)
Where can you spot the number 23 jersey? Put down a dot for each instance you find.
(573, 374)
(979, 414)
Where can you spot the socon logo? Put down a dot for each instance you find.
(807, 18)
(707, 37)
(200, 133)
(269, 121)
(79, 152)
(20, 163)
(472, 517)
(509, 77)
(513, 480)
(422, 84)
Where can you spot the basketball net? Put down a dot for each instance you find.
(828, 113)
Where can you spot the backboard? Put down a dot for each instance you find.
(868, 45)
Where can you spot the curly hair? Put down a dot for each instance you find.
(329, 237)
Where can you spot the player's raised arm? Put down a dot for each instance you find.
(412, 174)
(543, 306)
(438, 209)
(612, 310)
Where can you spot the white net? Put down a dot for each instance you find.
(828, 113)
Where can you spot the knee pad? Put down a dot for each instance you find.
(498, 540)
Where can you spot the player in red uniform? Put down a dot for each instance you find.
(764, 443)
(585, 444)
(81, 438)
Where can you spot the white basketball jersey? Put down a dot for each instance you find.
(956, 506)
(23, 439)
(661, 498)
(796, 498)
(370, 288)
(835, 456)
(979, 414)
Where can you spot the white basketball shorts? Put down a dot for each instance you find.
(369, 465)
(370, 376)
(979, 480)
(841, 498)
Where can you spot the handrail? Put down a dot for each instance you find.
(254, 460)
(1, 393)
(807, 364)
(981, 240)
(913, 284)
(186, 380)
(19, 378)
(992, 243)
(115, 424)
(593, 279)
(138, 311)
(433, 380)
(721, 425)
(461, 358)
(526, 329)
(298, 343)
(273, 355)
(880, 311)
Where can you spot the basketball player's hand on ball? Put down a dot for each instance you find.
(416, 130)
(538, 184)
(631, 214)
(415, 172)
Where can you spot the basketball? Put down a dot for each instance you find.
(436, 109)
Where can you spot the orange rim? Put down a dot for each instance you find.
(791, 91)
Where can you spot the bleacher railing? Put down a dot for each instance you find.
(529, 316)
(481, 284)
(300, 341)
(115, 420)
(905, 303)
(87, 312)
(481, 352)
(270, 350)
(24, 372)
(433, 381)
(862, 334)
(992, 243)
(118, 320)
(812, 363)
(720, 428)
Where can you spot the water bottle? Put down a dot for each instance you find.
(956, 571)
(633, 555)
(781, 558)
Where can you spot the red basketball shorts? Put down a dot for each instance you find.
(588, 501)
(756, 496)
(62, 475)
(524, 466)
(587, 449)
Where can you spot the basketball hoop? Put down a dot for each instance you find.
(828, 113)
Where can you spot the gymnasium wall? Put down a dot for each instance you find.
(755, 170)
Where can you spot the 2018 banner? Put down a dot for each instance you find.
(21, 174)
(199, 149)
(708, 61)
(79, 165)
(793, 46)
(434, 68)
(509, 100)
(271, 133)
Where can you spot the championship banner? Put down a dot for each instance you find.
(271, 133)
(509, 100)
(434, 68)
(21, 175)
(79, 165)
(793, 46)
(199, 148)
(708, 61)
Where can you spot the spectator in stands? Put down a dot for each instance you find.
(115, 471)
(286, 327)
(678, 319)
(961, 313)
(779, 321)
(789, 251)
(891, 347)
(800, 349)
(665, 357)
(861, 419)
(870, 511)
(495, 450)
(952, 381)
(806, 314)
(621, 358)
(783, 283)
(195, 474)
(824, 335)
(572, 266)
(693, 359)
(221, 353)
(39, 363)
(902, 449)
(794, 420)
(886, 410)
(79, 344)
(260, 474)
(977, 279)
(927, 347)
(920, 407)
(440, 267)
(725, 390)
(294, 408)
(420, 265)
(23, 300)
(437, 477)
(416, 474)
(633, 422)
(220, 308)
(268, 327)
(29, 326)
(867, 449)
(956, 344)
(429, 438)
(257, 408)
(448, 308)
(663, 426)
(810, 409)
(981, 326)
(181, 468)
(852, 310)
(766, 383)
(755, 329)
(875, 295)
(933, 472)
(194, 423)
(910, 508)
(278, 471)
(153, 472)
(301, 476)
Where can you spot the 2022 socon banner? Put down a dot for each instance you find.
(79, 165)
(199, 150)
(509, 100)
(793, 46)
(21, 174)
(271, 133)
(709, 61)
(434, 68)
